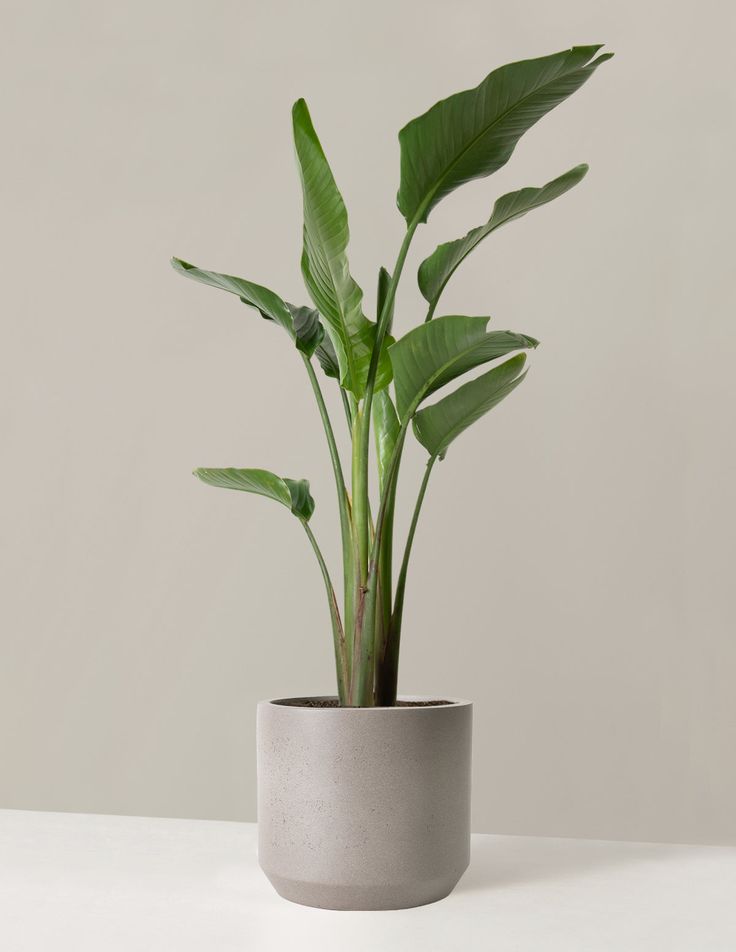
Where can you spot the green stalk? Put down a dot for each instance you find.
(431, 310)
(387, 676)
(347, 408)
(384, 592)
(370, 590)
(360, 493)
(338, 632)
(361, 685)
(344, 508)
(365, 610)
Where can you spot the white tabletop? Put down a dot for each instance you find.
(108, 883)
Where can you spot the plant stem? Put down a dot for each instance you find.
(431, 310)
(348, 409)
(338, 632)
(343, 505)
(365, 611)
(362, 643)
(360, 493)
(387, 676)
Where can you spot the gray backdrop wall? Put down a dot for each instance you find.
(574, 570)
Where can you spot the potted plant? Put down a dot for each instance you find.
(364, 797)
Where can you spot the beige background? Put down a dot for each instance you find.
(574, 570)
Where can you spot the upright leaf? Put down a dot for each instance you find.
(292, 493)
(307, 335)
(431, 355)
(325, 264)
(436, 270)
(437, 426)
(473, 133)
(386, 429)
(384, 279)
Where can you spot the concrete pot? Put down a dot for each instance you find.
(363, 808)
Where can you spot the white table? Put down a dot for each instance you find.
(107, 883)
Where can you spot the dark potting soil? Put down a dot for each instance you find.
(332, 702)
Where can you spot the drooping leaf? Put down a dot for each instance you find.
(266, 302)
(473, 133)
(325, 264)
(386, 430)
(328, 358)
(436, 270)
(437, 426)
(292, 493)
(308, 328)
(431, 355)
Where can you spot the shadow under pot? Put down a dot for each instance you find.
(364, 808)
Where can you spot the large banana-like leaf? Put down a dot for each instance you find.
(437, 426)
(431, 355)
(436, 270)
(325, 264)
(292, 493)
(473, 133)
(306, 331)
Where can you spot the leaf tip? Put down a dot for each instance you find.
(299, 110)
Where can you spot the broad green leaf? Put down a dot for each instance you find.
(386, 430)
(270, 306)
(325, 264)
(472, 134)
(292, 493)
(436, 270)
(431, 355)
(437, 426)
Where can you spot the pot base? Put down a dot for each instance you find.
(353, 898)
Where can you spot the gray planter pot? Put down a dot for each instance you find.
(364, 808)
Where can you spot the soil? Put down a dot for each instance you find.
(332, 702)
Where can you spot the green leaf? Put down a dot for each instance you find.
(433, 354)
(325, 264)
(437, 426)
(292, 493)
(386, 430)
(308, 328)
(472, 134)
(328, 358)
(384, 279)
(436, 270)
(270, 306)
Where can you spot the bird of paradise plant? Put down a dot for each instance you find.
(384, 382)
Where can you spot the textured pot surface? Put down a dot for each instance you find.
(364, 808)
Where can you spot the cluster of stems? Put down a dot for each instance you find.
(368, 630)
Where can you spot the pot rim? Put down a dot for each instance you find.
(289, 703)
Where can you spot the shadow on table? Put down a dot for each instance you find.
(498, 862)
